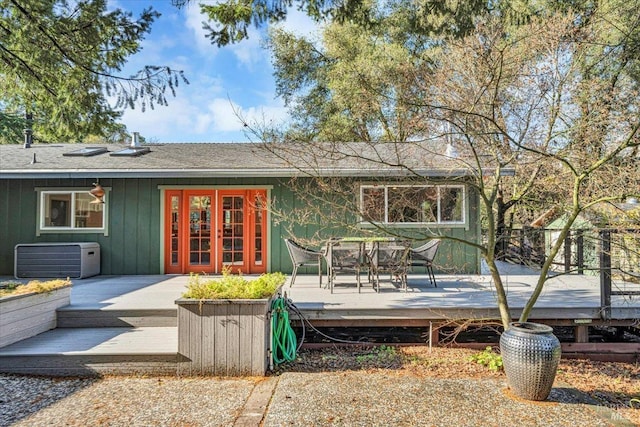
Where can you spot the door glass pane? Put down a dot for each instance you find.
(233, 230)
(200, 230)
(175, 214)
(258, 230)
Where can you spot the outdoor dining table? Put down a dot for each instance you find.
(373, 255)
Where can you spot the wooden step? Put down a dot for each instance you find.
(80, 317)
(94, 352)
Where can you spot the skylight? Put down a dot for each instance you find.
(86, 152)
(131, 152)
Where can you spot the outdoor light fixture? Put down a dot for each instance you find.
(98, 193)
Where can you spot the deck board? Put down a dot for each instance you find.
(563, 297)
(570, 296)
(97, 341)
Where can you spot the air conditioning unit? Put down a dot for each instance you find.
(59, 260)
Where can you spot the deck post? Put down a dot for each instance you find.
(581, 334)
(605, 274)
(567, 253)
(580, 250)
(434, 335)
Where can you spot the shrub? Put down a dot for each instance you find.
(33, 287)
(231, 286)
(488, 358)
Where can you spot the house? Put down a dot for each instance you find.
(177, 208)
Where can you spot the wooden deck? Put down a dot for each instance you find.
(564, 298)
(124, 324)
(568, 297)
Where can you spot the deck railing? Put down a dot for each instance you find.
(612, 242)
(611, 253)
(524, 246)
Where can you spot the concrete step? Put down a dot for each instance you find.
(73, 316)
(94, 352)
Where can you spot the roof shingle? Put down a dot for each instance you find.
(229, 159)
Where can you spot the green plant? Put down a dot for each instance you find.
(488, 358)
(378, 354)
(12, 288)
(9, 285)
(231, 286)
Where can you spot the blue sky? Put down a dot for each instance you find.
(224, 82)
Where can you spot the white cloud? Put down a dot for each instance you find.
(194, 20)
(227, 116)
(249, 52)
(154, 124)
(300, 24)
(223, 115)
(188, 120)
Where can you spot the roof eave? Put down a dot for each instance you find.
(235, 173)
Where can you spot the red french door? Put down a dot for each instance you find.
(207, 230)
(188, 231)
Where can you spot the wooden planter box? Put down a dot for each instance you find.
(23, 316)
(223, 337)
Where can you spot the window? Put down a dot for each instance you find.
(403, 204)
(70, 211)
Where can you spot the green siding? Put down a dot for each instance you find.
(453, 257)
(133, 243)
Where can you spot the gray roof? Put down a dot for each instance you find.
(228, 160)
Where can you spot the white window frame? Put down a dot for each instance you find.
(438, 187)
(42, 228)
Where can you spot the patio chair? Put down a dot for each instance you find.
(345, 257)
(423, 256)
(392, 258)
(301, 256)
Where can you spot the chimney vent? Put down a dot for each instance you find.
(28, 132)
(135, 139)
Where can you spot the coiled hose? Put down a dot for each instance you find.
(285, 343)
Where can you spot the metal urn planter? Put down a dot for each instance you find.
(530, 356)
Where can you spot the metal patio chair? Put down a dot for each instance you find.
(345, 257)
(423, 256)
(392, 258)
(301, 256)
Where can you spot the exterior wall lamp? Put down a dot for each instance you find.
(98, 193)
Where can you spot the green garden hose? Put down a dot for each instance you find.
(284, 345)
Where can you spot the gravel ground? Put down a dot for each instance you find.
(379, 399)
(386, 386)
(121, 401)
